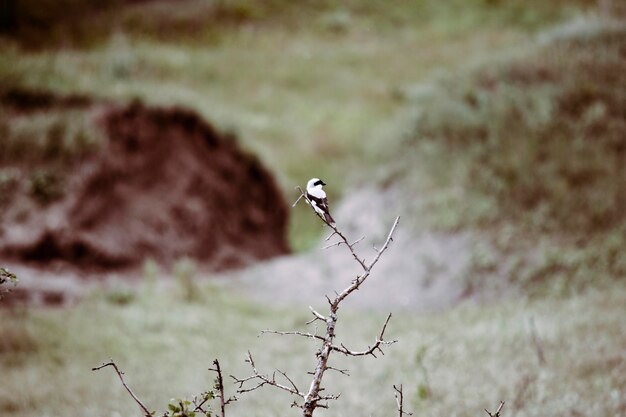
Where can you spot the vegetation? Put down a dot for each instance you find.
(56, 135)
(38, 147)
(533, 149)
(6, 277)
(544, 135)
(474, 356)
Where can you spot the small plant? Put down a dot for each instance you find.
(9, 179)
(189, 408)
(151, 271)
(423, 389)
(45, 186)
(6, 277)
(198, 405)
(185, 271)
(122, 59)
(121, 296)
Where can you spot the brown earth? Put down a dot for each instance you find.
(165, 185)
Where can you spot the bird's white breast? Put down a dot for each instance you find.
(317, 192)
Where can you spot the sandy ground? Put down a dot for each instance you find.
(423, 272)
(420, 272)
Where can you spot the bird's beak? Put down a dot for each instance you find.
(323, 183)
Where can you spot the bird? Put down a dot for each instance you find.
(317, 197)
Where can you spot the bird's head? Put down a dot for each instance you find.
(314, 183)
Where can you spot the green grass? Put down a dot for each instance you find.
(55, 135)
(37, 149)
(473, 356)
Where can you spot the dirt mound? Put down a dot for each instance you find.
(165, 185)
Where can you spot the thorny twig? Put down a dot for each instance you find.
(265, 380)
(497, 413)
(313, 398)
(400, 401)
(294, 333)
(220, 387)
(371, 349)
(335, 230)
(198, 405)
(120, 374)
(316, 316)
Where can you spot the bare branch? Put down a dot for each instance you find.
(332, 245)
(120, 374)
(497, 413)
(329, 397)
(264, 380)
(301, 195)
(198, 405)
(329, 300)
(316, 316)
(341, 371)
(341, 242)
(220, 387)
(336, 231)
(344, 240)
(357, 241)
(294, 333)
(400, 401)
(293, 385)
(313, 398)
(367, 269)
(370, 351)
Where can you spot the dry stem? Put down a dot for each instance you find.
(220, 388)
(400, 401)
(120, 374)
(313, 398)
(497, 413)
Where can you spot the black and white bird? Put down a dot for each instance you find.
(317, 197)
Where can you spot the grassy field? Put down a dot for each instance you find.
(455, 363)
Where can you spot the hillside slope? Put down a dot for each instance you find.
(531, 152)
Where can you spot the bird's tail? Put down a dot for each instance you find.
(329, 218)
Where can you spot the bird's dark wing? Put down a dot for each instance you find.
(322, 203)
(327, 216)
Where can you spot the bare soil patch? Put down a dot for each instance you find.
(166, 184)
(421, 272)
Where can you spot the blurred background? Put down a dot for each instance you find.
(149, 151)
